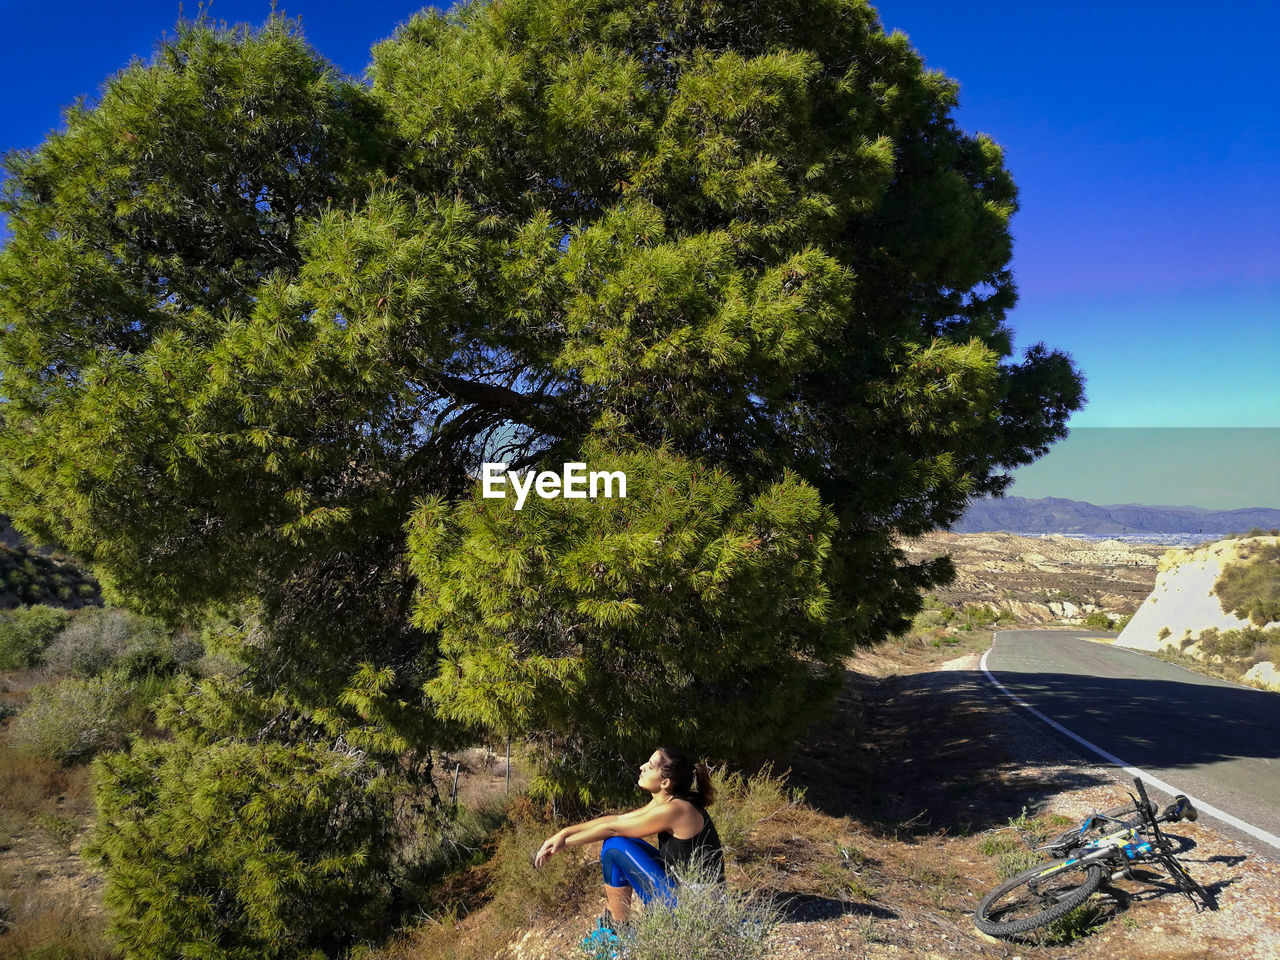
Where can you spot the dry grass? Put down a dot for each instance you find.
(51, 910)
(475, 912)
(51, 929)
(31, 785)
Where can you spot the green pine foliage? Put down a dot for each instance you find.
(255, 312)
(687, 612)
(239, 851)
(260, 828)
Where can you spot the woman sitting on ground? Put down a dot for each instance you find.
(677, 813)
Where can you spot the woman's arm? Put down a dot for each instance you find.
(642, 822)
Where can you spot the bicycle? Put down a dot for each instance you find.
(1105, 847)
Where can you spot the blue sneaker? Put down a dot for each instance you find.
(603, 942)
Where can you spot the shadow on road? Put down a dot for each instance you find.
(1157, 723)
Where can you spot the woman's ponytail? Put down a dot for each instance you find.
(702, 788)
(689, 781)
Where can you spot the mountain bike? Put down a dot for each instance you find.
(1105, 847)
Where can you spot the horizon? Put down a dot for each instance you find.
(1145, 506)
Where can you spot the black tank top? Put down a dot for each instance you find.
(675, 852)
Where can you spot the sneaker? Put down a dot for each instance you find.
(604, 942)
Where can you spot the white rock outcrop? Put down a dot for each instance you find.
(1264, 675)
(1183, 602)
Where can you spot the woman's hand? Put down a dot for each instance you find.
(553, 845)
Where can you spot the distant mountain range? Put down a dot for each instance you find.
(1055, 515)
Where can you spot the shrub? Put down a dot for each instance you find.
(1164, 633)
(216, 664)
(244, 850)
(1098, 620)
(977, 617)
(523, 893)
(1250, 587)
(26, 632)
(62, 830)
(707, 921)
(97, 639)
(146, 663)
(430, 850)
(73, 720)
(186, 649)
(1235, 644)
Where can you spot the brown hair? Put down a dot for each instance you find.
(689, 781)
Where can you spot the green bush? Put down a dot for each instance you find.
(73, 720)
(242, 850)
(1098, 620)
(26, 632)
(1235, 644)
(147, 663)
(1250, 586)
(99, 639)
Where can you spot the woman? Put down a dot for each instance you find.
(677, 812)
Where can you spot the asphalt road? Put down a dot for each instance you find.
(1215, 741)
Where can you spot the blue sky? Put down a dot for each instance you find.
(1142, 135)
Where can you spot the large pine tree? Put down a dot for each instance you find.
(261, 326)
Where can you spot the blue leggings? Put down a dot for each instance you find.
(627, 862)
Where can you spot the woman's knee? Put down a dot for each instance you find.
(613, 863)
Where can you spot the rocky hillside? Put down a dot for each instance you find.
(40, 575)
(1043, 579)
(1183, 613)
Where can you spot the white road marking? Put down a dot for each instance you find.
(1256, 832)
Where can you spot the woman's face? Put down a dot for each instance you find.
(651, 778)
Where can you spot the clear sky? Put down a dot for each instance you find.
(1143, 137)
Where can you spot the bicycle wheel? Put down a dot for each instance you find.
(1035, 897)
